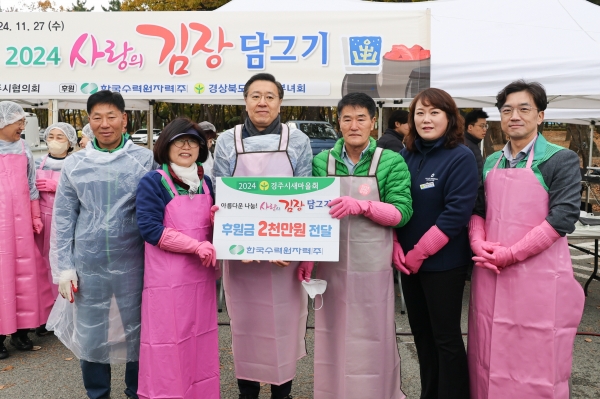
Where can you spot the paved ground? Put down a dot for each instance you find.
(53, 372)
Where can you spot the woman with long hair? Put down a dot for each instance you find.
(433, 250)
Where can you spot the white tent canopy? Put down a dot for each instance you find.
(479, 46)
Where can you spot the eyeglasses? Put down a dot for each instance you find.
(255, 97)
(484, 126)
(507, 110)
(179, 143)
(22, 122)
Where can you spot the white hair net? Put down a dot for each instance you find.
(10, 113)
(87, 131)
(67, 129)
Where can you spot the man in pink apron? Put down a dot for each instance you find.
(266, 303)
(525, 302)
(24, 287)
(356, 354)
(60, 138)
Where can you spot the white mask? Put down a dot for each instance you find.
(315, 287)
(56, 148)
(188, 175)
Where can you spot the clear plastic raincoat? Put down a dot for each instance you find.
(95, 233)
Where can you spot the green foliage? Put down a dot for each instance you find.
(172, 5)
(113, 5)
(80, 6)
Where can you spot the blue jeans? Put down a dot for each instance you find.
(96, 379)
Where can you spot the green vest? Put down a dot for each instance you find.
(543, 150)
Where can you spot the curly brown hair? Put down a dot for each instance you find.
(441, 100)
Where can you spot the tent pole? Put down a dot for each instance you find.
(150, 124)
(380, 119)
(587, 191)
(52, 112)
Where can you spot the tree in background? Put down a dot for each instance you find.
(80, 6)
(172, 5)
(113, 5)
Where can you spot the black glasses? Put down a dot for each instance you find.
(180, 143)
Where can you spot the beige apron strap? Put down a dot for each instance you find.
(330, 165)
(285, 137)
(375, 161)
(237, 137)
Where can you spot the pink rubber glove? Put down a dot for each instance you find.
(344, 206)
(481, 248)
(398, 256)
(540, 238)
(36, 217)
(213, 210)
(174, 241)
(432, 241)
(49, 185)
(304, 270)
(382, 213)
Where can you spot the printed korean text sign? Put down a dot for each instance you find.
(276, 218)
(208, 56)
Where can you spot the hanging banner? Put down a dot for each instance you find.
(276, 218)
(208, 56)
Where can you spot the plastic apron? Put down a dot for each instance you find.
(356, 354)
(522, 322)
(266, 303)
(22, 298)
(46, 205)
(179, 352)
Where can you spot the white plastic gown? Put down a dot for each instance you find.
(298, 150)
(16, 147)
(94, 231)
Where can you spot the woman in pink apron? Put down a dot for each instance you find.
(356, 353)
(24, 291)
(525, 302)
(266, 303)
(60, 138)
(179, 352)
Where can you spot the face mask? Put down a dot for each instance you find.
(55, 148)
(315, 287)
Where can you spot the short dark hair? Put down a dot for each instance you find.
(399, 116)
(357, 100)
(537, 91)
(176, 126)
(267, 77)
(106, 97)
(472, 117)
(442, 100)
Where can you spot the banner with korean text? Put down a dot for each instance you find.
(208, 56)
(276, 218)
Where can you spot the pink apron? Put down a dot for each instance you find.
(266, 303)
(46, 205)
(356, 354)
(522, 322)
(22, 300)
(179, 350)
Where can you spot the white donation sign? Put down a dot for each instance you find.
(276, 218)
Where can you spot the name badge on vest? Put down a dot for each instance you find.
(427, 185)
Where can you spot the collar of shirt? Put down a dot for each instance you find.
(521, 155)
(124, 139)
(349, 164)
